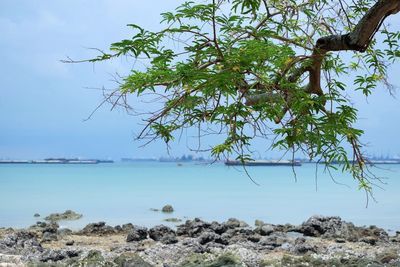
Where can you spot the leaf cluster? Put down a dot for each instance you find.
(238, 72)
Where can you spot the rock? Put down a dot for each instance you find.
(70, 243)
(207, 240)
(230, 233)
(207, 237)
(43, 227)
(369, 240)
(284, 227)
(254, 238)
(319, 225)
(52, 255)
(67, 215)
(372, 231)
(64, 231)
(395, 238)
(265, 229)
(138, 233)
(238, 235)
(127, 227)
(99, 228)
(47, 231)
(169, 239)
(272, 241)
(118, 228)
(192, 228)
(48, 237)
(39, 224)
(218, 227)
(36, 215)
(21, 242)
(334, 227)
(301, 246)
(163, 234)
(246, 231)
(221, 240)
(51, 228)
(130, 259)
(73, 253)
(157, 232)
(232, 223)
(235, 223)
(167, 209)
(194, 246)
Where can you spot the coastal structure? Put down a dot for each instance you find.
(57, 161)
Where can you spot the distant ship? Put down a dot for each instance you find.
(104, 161)
(263, 163)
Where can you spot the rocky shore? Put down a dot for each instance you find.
(319, 241)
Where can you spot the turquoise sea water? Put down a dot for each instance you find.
(121, 193)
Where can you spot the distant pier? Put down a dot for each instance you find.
(57, 161)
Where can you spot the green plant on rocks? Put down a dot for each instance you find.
(131, 259)
(315, 261)
(173, 220)
(203, 260)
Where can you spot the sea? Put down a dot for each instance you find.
(122, 193)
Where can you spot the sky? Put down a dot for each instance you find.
(44, 102)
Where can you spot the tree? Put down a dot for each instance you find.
(251, 68)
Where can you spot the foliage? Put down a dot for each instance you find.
(237, 73)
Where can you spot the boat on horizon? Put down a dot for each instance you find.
(262, 163)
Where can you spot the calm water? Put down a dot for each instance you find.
(121, 193)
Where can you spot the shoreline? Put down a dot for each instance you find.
(319, 241)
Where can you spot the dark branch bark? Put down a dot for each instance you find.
(356, 40)
(364, 31)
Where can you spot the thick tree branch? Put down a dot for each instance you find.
(356, 40)
(364, 31)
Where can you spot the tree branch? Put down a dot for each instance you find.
(356, 40)
(364, 31)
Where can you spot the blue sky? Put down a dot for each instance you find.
(43, 102)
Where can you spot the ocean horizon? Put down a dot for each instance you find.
(126, 192)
